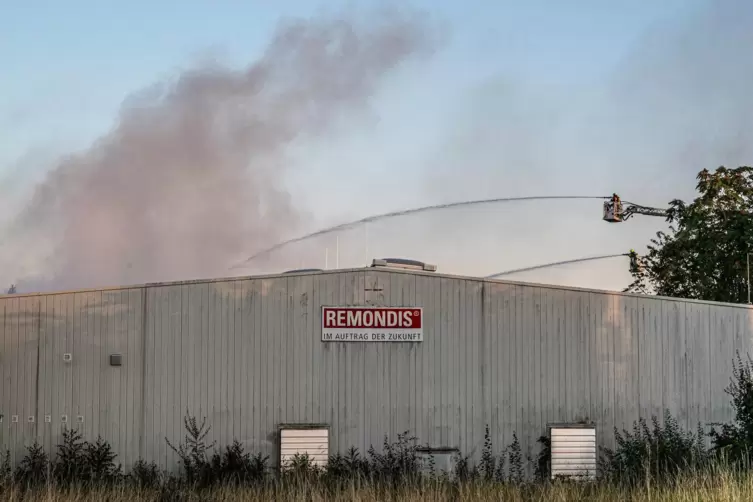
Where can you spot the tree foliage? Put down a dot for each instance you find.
(704, 253)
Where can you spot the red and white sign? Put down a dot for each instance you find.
(372, 324)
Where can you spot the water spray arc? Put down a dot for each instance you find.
(406, 212)
(554, 264)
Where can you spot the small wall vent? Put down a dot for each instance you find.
(573, 451)
(404, 263)
(438, 460)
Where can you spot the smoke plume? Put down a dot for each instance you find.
(192, 176)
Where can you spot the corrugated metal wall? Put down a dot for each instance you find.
(35, 333)
(247, 355)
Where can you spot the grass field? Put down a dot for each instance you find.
(713, 486)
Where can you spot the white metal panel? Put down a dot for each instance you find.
(310, 441)
(573, 452)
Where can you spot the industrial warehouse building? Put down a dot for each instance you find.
(278, 363)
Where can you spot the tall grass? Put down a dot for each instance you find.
(708, 485)
(659, 464)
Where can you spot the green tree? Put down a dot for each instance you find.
(703, 255)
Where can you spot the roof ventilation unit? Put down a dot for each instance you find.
(573, 450)
(404, 263)
(303, 271)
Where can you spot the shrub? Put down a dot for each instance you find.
(33, 468)
(99, 463)
(234, 466)
(507, 467)
(193, 452)
(348, 467)
(398, 462)
(258, 467)
(544, 458)
(145, 475)
(231, 466)
(301, 465)
(658, 454)
(735, 441)
(80, 462)
(6, 472)
(69, 464)
(463, 470)
(488, 465)
(516, 460)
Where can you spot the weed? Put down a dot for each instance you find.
(348, 467)
(33, 468)
(544, 458)
(99, 462)
(193, 452)
(488, 461)
(145, 475)
(234, 466)
(69, 464)
(653, 454)
(399, 460)
(516, 461)
(6, 472)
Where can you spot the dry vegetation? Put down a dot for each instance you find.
(706, 487)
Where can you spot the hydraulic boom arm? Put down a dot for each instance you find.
(616, 211)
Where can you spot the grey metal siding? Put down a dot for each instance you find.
(35, 332)
(246, 354)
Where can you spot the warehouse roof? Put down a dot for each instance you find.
(372, 270)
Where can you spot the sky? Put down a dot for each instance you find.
(69, 66)
(513, 99)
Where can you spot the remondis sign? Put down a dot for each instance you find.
(372, 324)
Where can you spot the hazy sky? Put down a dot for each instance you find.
(519, 98)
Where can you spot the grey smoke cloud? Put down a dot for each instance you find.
(192, 176)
